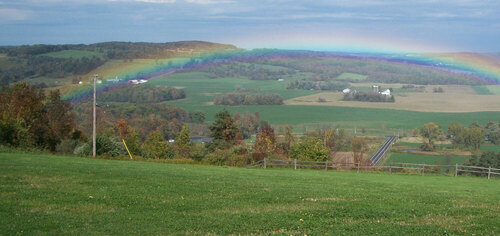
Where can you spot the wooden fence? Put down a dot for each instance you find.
(391, 167)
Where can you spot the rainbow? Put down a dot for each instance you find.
(485, 70)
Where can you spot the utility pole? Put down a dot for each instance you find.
(93, 121)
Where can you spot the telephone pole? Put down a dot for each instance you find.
(93, 121)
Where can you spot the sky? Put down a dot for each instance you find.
(341, 25)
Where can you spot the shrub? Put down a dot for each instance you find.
(310, 149)
(105, 145)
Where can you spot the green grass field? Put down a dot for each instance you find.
(426, 159)
(43, 194)
(351, 76)
(73, 53)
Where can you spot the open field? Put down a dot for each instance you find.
(351, 76)
(63, 195)
(449, 101)
(426, 159)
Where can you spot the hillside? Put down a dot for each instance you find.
(44, 194)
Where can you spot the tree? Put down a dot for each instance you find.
(266, 141)
(475, 137)
(359, 147)
(156, 147)
(310, 149)
(224, 130)
(182, 142)
(430, 132)
(197, 116)
(289, 139)
(457, 133)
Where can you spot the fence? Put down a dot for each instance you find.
(421, 169)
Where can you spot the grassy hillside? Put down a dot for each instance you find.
(63, 195)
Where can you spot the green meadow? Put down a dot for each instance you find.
(44, 194)
(426, 159)
(201, 90)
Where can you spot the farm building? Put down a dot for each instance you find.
(346, 91)
(387, 92)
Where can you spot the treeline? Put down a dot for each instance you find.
(251, 71)
(47, 66)
(30, 119)
(143, 93)
(317, 85)
(236, 99)
(368, 96)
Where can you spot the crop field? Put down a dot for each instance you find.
(456, 99)
(43, 194)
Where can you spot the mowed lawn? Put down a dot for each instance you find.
(43, 194)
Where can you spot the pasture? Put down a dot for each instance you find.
(44, 194)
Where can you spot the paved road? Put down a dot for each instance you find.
(383, 149)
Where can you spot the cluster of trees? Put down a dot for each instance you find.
(487, 159)
(461, 136)
(317, 85)
(31, 119)
(143, 93)
(368, 96)
(236, 99)
(251, 71)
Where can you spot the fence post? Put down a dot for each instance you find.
(294, 164)
(489, 172)
(390, 168)
(358, 167)
(423, 169)
(326, 165)
(456, 169)
(265, 163)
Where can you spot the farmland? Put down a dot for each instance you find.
(200, 91)
(56, 194)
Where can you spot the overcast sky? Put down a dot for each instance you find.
(452, 25)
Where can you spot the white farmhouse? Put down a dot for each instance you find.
(387, 92)
(346, 91)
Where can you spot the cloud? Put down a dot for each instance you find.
(11, 14)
